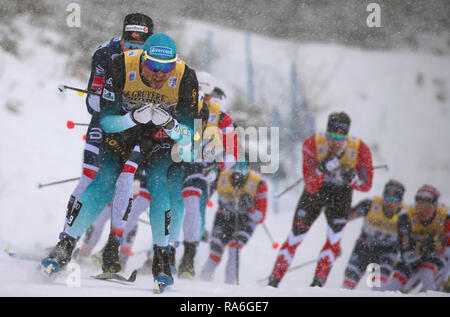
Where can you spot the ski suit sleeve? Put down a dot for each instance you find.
(111, 99)
(311, 176)
(360, 210)
(99, 65)
(364, 169)
(258, 212)
(229, 141)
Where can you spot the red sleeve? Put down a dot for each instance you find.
(260, 206)
(311, 176)
(447, 229)
(230, 148)
(364, 169)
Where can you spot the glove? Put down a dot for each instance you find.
(143, 115)
(246, 202)
(161, 117)
(348, 175)
(328, 164)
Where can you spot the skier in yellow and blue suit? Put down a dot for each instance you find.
(145, 91)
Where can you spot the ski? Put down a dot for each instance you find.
(22, 255)
(115, 276)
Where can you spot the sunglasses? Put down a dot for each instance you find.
(392, 199)
(156, 65)
(132, 46)
(337, 137)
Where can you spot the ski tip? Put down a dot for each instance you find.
(61, 88)
(49, 267)
(133, 275)
(39, 185)
(158, 287)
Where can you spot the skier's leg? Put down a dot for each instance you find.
(245, 231)
(160, 215)
(94, 137)
(123, 195)
(90, 204)
(400, 277)
(307, 211)
(94, 232)
(220, 236)
(140, 204)
(175, 176)
(428, 270)
(194, 186)
(357, 264)
(337, 210)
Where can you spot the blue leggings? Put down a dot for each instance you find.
(96, 196)
(164, 182)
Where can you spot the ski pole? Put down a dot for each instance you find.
(274, 244)
(289, 188)
(62, 88)
(58, 182)
(236, 237)
(296, 267)
(384, 166)
(71, 124)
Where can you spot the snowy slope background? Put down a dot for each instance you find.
(398, 102)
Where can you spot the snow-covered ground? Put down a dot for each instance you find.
(398, 102)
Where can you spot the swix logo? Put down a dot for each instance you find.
(161, 50)
(159, 134)
(97, 83)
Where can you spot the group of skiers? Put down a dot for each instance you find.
(144, 100)
(410, 244)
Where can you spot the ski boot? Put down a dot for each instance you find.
(317, 282)
(273, 281)
(172, 261)
(186, 269)
(161, 269)
(59, 256)
(110, 256)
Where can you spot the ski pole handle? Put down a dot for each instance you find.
(58, 182)
(70, 124)
(61, 88)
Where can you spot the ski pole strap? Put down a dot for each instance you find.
(58, 182)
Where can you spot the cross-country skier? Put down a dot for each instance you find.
(377, 242)
(424, 239)
(145, 91)
(137, 27)
(334, 164)
(218, 135)
(242, 195)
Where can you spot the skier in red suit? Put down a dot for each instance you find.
(334, 164)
